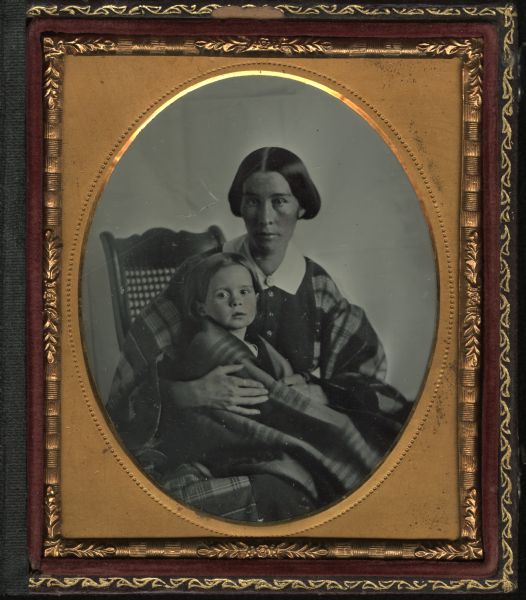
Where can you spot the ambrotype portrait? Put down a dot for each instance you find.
(275, 264)
(258, 298)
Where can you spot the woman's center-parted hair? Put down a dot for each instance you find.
(197, 280)
(289, 166)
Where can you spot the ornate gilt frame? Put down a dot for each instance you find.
(469, 546)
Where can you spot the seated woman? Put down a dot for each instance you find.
(327, 341)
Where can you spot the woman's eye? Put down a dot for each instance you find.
(280, 201)
(250, 201)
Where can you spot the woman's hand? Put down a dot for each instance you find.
(220, 389)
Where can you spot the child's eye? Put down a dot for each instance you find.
(246, 291)
(221, 295)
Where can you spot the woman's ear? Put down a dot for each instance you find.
(301, 212)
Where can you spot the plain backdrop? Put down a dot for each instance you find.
(370, 234)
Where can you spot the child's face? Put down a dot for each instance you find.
(230, 299)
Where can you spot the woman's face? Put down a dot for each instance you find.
(270, 212)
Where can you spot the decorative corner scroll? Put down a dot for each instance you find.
(55, 546)
(471, 52)
(470, 547)
(55, 49)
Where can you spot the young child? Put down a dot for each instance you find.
(284, 447)
(220, 301)
(223, 288)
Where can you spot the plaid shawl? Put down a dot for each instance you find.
(332, 450)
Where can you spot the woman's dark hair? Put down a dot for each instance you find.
(198, 278)
(287, 164)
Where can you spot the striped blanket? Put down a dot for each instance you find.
(213, 453)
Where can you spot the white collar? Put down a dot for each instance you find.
(287, 277)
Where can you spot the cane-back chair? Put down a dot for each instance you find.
(141, 266)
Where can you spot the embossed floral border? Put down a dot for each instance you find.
(470, 547)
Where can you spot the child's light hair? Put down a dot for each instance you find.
(198, 279)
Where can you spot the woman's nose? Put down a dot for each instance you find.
(266, 212)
